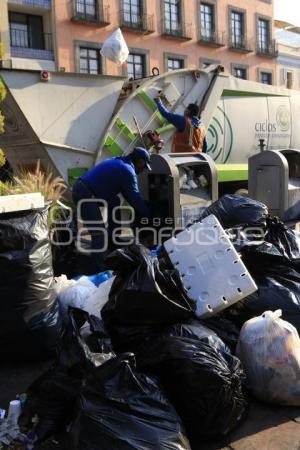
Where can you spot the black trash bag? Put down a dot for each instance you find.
(233, 209)
(129, 338)
(30, 320)
(226, 330)
(197, 330)
(141, 293)
(243, 236)
(203, 382)
(126, 410)
(133, 338)
(278, 288)
(287, 241)
(52, 397)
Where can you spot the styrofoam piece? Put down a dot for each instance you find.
(21, 202)
(210, 267)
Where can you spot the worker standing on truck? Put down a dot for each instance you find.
(190, 132)
(101, 185)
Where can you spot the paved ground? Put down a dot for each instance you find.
(266, 428)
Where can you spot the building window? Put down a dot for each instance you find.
(132, 12)
(27, 31)
(266, 77)
(207, 20)
(263, 35)
(237, 29)
(240, 72)
(289, 80)
(136, 66)
(172, 16)
(86, 8)
(174, 64)
(89, 61)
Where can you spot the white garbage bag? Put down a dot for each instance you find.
(98, 298)
(269, 349)
(115, 48)
(74, 293)
(83, 294)
(61, 283)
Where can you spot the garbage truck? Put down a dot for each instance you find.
(72, 121)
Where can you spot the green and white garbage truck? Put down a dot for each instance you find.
(73, 121)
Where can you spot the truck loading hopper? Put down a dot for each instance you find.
(179, 187)
(274, 179)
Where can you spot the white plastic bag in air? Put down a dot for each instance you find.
(115, 48)
(269, 349)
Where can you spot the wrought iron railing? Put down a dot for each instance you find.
(24, 39)
(212, 37)
(34, 3)
(136, 22)
(268, 48)
(179, 30)
(241, 43)
(91, 12)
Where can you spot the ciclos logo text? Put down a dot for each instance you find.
(265, 127)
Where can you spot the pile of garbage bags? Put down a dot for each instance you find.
(30, 320)
(135, 368)
(148, 375)
(273, 262)
(181, 386)
(268, 346)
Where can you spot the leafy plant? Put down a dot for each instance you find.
(51, 187)
(2, 158)
(4, 188)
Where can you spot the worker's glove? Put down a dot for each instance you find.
(157, 100)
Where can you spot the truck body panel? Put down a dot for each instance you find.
(75, 121)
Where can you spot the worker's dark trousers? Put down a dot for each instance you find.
(101, 233)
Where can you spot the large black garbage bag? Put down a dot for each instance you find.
(141, 293)
(216, 331)
(203, 383)
(52, 397)
(235, 209)
(244, 236)
(126, 410)
(226, 330)
(30, 321)
(278, 288)
(287, 241)
(133, 338)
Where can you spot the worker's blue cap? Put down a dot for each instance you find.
(141, 153)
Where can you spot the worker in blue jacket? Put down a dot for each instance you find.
(103, 183)
(190, 135)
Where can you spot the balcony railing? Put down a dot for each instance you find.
(267, 49)
(22, 39)
(44, 4)
(241, 44)
(212, 38)
(177, 30)
(97, 13)
(142, 23)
